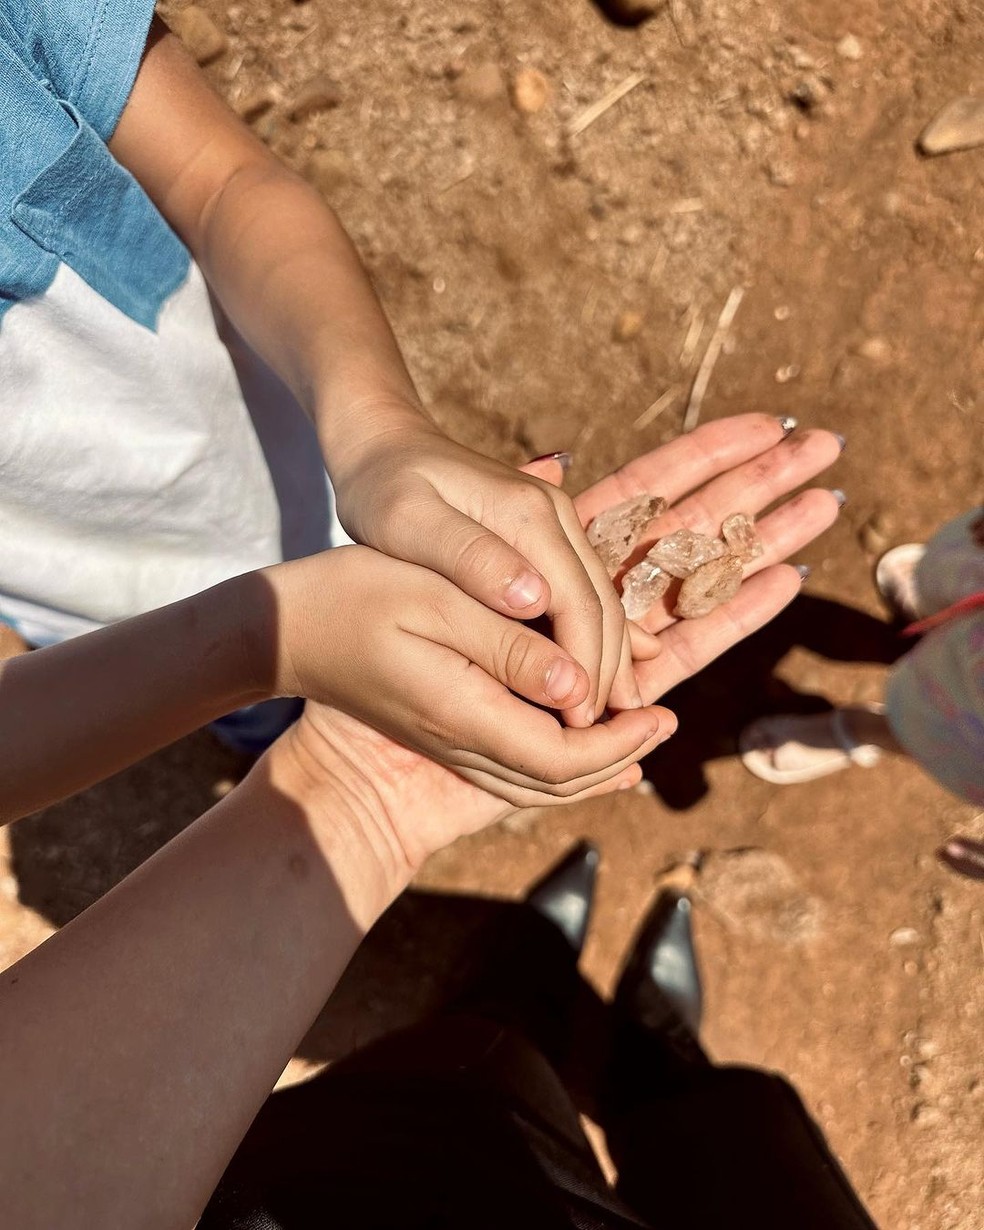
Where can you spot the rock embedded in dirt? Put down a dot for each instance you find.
(530, 91)
(849, 48)
(876, 350)
(627, 326)
(756, 893)
(684, 551)
(711, 585)
(739, 533)
(199, 33)
(960, 125)
(617, 531)
(642, 587)
(318, 94)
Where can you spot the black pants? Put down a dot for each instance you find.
(462, 1123)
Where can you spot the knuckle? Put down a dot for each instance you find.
(519, 658)
(534, 502)
(471, 555)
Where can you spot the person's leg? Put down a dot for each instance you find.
(698, 1145)
(460, 1121)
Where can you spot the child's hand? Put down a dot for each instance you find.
(410, 654)
(509, 540)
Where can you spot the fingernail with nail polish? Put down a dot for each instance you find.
(524, 591)
(787, 423)
(564, 460)
(839, 496)
(841, 440)
(804, 570)
(561, 677)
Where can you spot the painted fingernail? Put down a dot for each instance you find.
(524, 591)
(564, 460)
(839, 496)
(804, 570)
(841, 440)
(561, 677)
(787, 423)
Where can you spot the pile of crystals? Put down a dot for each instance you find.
(710, 568)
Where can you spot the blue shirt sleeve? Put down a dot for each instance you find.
(86, 52)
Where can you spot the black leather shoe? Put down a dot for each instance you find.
(565, 894)
(658, 1003)
(661, 975)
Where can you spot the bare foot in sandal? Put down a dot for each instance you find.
(789, 748)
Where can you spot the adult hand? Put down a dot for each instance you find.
(738, 464)
(742, 464)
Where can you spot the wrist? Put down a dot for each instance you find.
(238, 623)
(320, 779)
(353, 428)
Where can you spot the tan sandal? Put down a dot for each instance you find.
(790, 748)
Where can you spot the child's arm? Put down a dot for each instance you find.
(349, 627)
(292, 283)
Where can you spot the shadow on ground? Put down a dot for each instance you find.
(71, 854)
(715, 706)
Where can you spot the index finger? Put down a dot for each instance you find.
(674, 469)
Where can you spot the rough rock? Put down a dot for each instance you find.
(617, 531)
(711, 585)
(627, 326)
(530, 91)
(684, 551)
(960, 125)
(742, 539)
(849, 48)
(756, 893)
(876, 350)
(199, 33)
(642, 588)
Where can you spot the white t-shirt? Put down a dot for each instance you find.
(137, 466)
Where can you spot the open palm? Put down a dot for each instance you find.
(741, 464)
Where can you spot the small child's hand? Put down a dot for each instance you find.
(409, 653)
(509, 540)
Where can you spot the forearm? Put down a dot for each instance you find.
(273, 252)
(139, 1041)
(75, 713)
(304, 301)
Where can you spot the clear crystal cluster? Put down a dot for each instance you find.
(617, 531)
(710, 569)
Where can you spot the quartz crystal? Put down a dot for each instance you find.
(642, 588)
(710, 585)
(739, 533)
(616, 532)
(682, 553)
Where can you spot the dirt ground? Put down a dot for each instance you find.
(548, 288)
